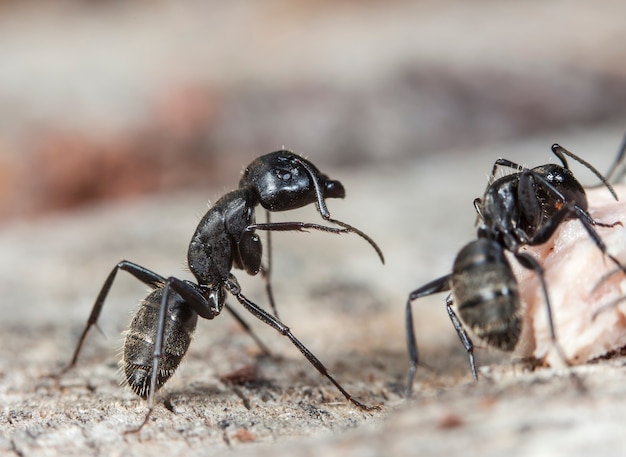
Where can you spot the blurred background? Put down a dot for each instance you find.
(119, 120)
(106, 99)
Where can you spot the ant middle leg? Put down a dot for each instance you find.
(272, 321)
(264, 349)
(266, 271)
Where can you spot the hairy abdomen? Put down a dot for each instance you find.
(137, 361)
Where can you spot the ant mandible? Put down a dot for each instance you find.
(520, 209)
(162, 327)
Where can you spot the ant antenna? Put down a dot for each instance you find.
(321, 204)
(618, 161)
(559, 151)
(323, 209)
(361, 234)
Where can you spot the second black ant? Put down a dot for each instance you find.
(161, 330)
(523, 208)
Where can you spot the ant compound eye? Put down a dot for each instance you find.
(283, 174)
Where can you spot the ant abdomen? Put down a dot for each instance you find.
(140, 339)
(486, 293)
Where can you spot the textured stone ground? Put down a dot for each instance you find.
(338, 300)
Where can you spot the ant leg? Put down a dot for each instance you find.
(503, 163)
(142, 274)
(438, 285)
(193, 296)
(588, 223)
(273, 322)
(465, 338)
(295, 227)
(266, 271)
(548, 229)
(530, 263)
(304, 226)
(264, 350)
(478, 206)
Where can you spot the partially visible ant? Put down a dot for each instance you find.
(161, 330)
(523, 208)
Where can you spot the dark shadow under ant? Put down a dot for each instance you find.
(523, 208)
(161, 330)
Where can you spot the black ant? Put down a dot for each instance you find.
(161, 330)
(520, 209)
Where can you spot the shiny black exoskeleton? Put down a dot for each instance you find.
(161, 330)
(523, 208)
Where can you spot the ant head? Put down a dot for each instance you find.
(283, 181)
(560, 183)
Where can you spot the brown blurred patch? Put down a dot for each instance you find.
(67, 168)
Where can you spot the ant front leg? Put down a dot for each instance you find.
(295, 227)
(272, 321)
(438, 285)
(547, 230)
(142, 274)
(304, 226)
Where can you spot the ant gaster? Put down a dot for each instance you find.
(520, 209)
(161, 330)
